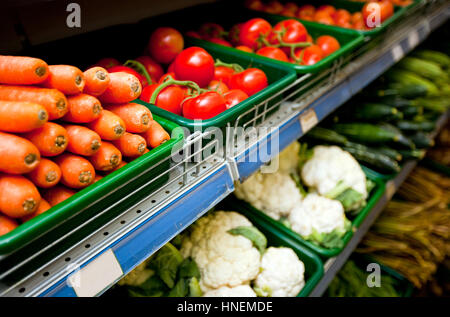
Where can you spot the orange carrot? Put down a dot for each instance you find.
(22, 70)
(76, 171)
(107, 158)
(82, 109)
(51, 139)
(122, 164)
(46, 174)
(53, 100)
(82, 140)
(58, 194)
(136, 117)
(6, 225)
(97, 178)
(97, 80)
(17, 155)
(67, 79)
(122, 88)
(109, 126)
(155, 135)
(21, 116)
(43, 207)
(131, 145)
(18, 196)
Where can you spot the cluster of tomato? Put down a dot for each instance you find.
(328, 14)
(287, 41)
(195, 85)
(400, 3)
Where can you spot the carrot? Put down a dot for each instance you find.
(97, 80)
(155, 135)
(51, 139)
(122, 88)
(43, 207)
(53, 100)
(77, 172)
(107, 158)
(97, 178)
(67, 79)
(109, 126)
(17, 155)
(22, 70)
(82, 140)
(7, 225)
(58, 194)
(131, 145)
(122, 164)
(136, 117)
(21, 116)
(18, 196)
(82, 109)
(46, 174)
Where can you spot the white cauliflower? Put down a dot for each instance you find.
(289, 158)
(237, 291)
(275, 194)
(331, 166)
(222, 258)
(282, 273)
(317, 217)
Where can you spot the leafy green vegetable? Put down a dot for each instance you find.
(194, 288)
(253, 234)
(176, 241)
(296, 178)
(350, 198)
(180, 289)
(152, 287)
(330, 240)
(188, 269)
(166, 263)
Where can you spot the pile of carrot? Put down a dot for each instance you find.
(62, 130)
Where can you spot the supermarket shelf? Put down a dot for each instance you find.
(333, 265)
(328, 91)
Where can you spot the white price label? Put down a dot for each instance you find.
(426, 27)
(413, 39)
(96, 276)
(397, 53)
(390, 189)
(308, 120)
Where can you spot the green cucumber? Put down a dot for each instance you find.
(409, 126)
(433, 56)
(380, 162)
(423, 68)
(366, 133)
(375, 112)
(390, 152)
(412, 154)
(422, 140)
(410, 91)
(326, 135)
(409, 78)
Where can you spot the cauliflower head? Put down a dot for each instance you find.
(282, 273)
(289, 158)
(277, 193)
(138, 275)
(237, 291)
(318, 215)
(223, 259)
(329, 166)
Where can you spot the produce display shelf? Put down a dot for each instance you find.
(333, 265)
(91, 258)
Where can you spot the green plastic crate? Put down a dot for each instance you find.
(279, 78)
(348, 40)
(86, 203)
(277, 238)
(374, 196)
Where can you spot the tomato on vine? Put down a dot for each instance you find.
(194, 64)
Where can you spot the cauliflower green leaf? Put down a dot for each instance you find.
(253, 234)
(330, 240)
(194, 288)
(166, 263)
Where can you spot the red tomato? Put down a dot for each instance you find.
(218, 85)
(293, 32)
(273, 52)
(377, 11)
(223, 73)
(194, 64)
(193, 34)
(306, 12)
(129, 70)
(342, 17)
(328, 44)
(172, 74)
(234, 96)
(254, 5)
(210, 30)
(249, 81)
(220, 41)
(244, 48)
(309, 39)
(252, 30)
(288, 13)
(291, 6)
(169, 98)
(312, 54)
(165, 44)
(327, 8)
(233, 34)
(107, 62)
(204, 106)
(323, 17)
(274, 7)
(153, 68)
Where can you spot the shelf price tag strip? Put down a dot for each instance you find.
(96, 276)
(308, 120)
